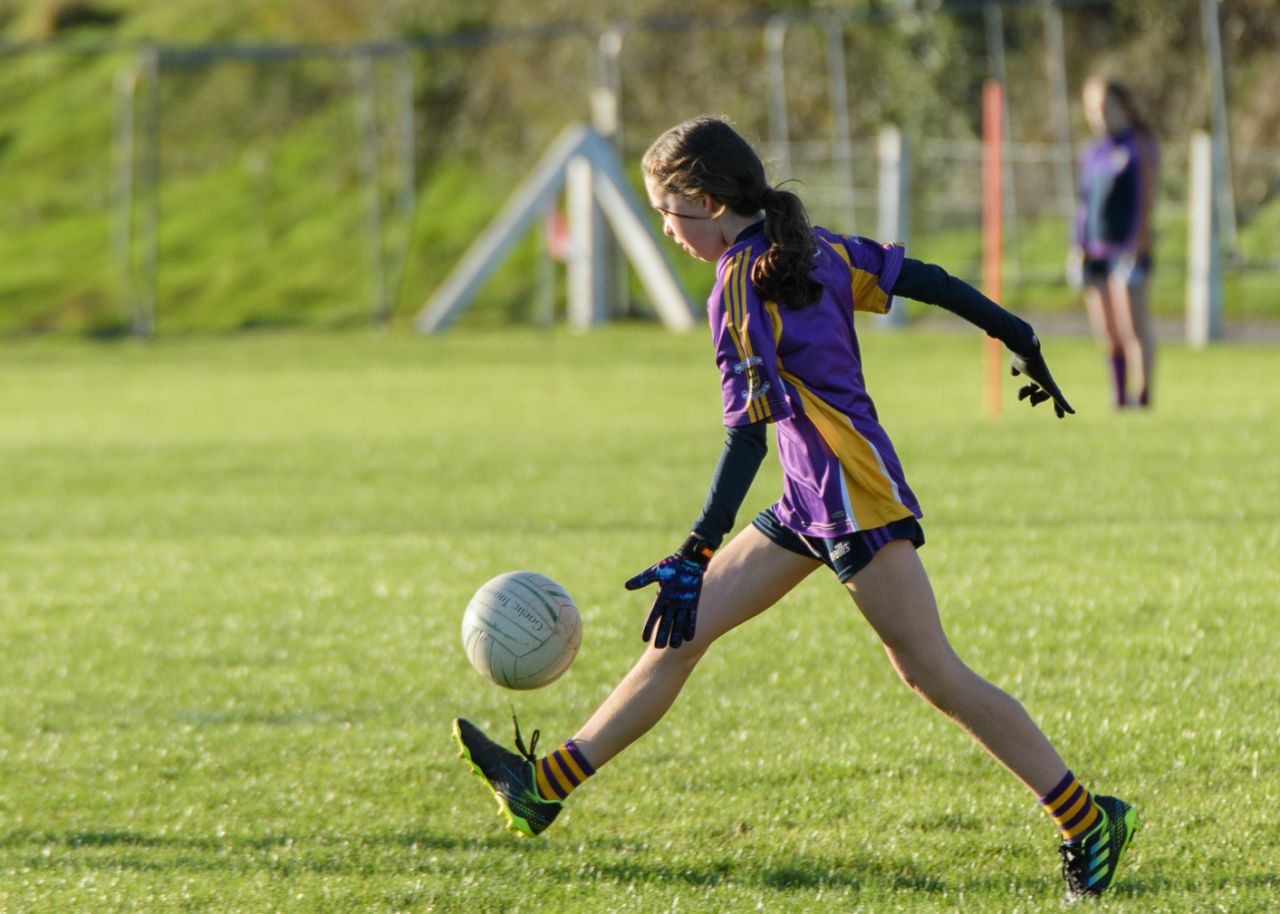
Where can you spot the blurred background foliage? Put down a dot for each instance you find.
(261, 171)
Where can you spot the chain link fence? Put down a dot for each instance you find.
(231, 186)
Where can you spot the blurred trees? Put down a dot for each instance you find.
(916, 69)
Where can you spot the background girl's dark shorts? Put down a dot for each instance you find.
(1132, 271)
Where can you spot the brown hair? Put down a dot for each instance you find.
(707, 156)
(1124, 97)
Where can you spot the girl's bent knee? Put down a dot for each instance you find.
(935, 679)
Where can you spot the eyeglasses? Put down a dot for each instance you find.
(674, 215)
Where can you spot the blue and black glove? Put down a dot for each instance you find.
(679, 577)
(1041, 386)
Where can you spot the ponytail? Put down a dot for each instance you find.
(707, 156)
(784, 272)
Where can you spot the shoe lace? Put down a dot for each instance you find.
(528, 753)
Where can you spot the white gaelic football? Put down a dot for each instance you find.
(521, 630)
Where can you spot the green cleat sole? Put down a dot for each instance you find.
(515, 824)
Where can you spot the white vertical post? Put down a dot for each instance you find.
(775, 37)
(894, 202)
(1204, 255)
(586, 265)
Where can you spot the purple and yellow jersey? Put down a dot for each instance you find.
(1117, 196)
(802, 370)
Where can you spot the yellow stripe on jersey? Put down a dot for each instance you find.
(867, 294)
(735, 298)
(758, 405)
(775, 319)
(732, 321)
(871, 491)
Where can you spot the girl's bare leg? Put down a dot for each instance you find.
(745, 578)
(895, 596)
(1133, 318)
(1098, 306)
(1101, 306)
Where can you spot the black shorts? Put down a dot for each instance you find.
(845, 555)
(1134, 271)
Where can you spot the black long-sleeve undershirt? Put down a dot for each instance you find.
(746, 445)
(744, 450)
(932, 285)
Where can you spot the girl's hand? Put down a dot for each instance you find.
(679, 577)
(1041, 386)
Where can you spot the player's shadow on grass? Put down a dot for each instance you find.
(627, 864)
(799, 872)
(338, 853)
(854, 876)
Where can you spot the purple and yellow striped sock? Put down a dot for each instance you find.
(562, 771)
(1072, 808)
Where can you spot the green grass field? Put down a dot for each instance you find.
(233, 570)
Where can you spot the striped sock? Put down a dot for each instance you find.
(561, 771)
(1072, 808)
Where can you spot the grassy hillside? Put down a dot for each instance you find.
(263, 210)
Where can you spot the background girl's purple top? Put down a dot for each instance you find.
(802, 370)
(1117, 187)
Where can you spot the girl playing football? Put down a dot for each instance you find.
(781, 316)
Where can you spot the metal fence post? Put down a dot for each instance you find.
(838, 94)
(364, 80)
(1059, 104)
(406, 201)
(993, 17)
(123, 156)
(775, 37)
(1223, 192)
(606, 118)
(144, 315)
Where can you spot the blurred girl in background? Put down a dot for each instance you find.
(1118, 177)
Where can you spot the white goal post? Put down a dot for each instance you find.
(584, 157)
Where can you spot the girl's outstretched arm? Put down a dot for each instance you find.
(931, 284)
